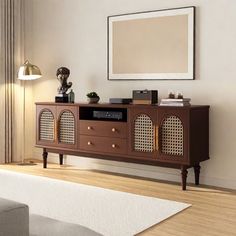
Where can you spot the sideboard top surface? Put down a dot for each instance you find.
(84, 104)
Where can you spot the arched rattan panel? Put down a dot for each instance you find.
(46, 126)
(172, 136)
(66, 128)
(143, 134)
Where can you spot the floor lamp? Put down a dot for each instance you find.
(27, 72)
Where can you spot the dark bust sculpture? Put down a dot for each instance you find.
(62, 76)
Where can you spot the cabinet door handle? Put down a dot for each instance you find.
(89, 127)
(55, 128)
(56, 131)
(113, 129)
(89, 143)
(113, 145)
(156, 138)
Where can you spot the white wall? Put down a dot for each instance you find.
(72, 33)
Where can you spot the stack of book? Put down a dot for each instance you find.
(176, 102)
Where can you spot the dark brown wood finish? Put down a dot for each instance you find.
(114, 140)
(184, 173)
(56, 111)
(61, 159)
(73, 109)
(183, 115)
(103, 128)
(134, 112)
(39, 110)
(103, 144)
(199, 135)
(114, 157)
(197, 173)
(45, 156)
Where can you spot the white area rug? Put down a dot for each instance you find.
(102, 210)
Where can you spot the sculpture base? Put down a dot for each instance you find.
(62, 99)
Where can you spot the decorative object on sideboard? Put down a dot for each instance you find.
(27, 71)
(152, 45)
(171, 94)
(93, 97)
(145, 97)
(71, 96)
(120, 100)
(176, 102)
(62, 76)
(179, 95)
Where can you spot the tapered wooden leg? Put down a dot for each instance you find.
(197, 173)
(184, 174)
(45, 156)
(61, 159)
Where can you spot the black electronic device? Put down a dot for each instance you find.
(110, 115)
(120, 100)
(62, 99)
(115, 114)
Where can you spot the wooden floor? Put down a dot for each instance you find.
(213, 211)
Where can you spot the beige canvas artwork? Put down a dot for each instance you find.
(153, 45)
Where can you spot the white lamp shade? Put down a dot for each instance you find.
(29, 72)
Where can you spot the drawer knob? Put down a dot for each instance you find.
(113, 129)
(113, 146)
(89, 143)
(89, 127)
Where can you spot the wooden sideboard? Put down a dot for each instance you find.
(175, 137)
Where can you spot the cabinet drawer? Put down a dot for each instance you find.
(103, 144)
(103, 128)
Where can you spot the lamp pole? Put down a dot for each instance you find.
(27, 72)
(23, 146)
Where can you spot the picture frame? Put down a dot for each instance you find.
(152, 45)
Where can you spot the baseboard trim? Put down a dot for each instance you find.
(146, 171)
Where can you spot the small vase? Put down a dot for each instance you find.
(93, 100)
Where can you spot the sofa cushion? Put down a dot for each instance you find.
(44, 226)
(14, 218)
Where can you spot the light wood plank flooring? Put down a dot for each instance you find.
(213, 211)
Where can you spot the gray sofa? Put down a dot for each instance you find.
(14, 218)
(16, 221)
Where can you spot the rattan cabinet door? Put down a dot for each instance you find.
(67, 126)
(142, 140)
(46, 125)
(173, 135)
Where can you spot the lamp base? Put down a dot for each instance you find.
(26, 164)
(30, 163)
(62, 99)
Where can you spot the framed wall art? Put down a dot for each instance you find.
(152, 45)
